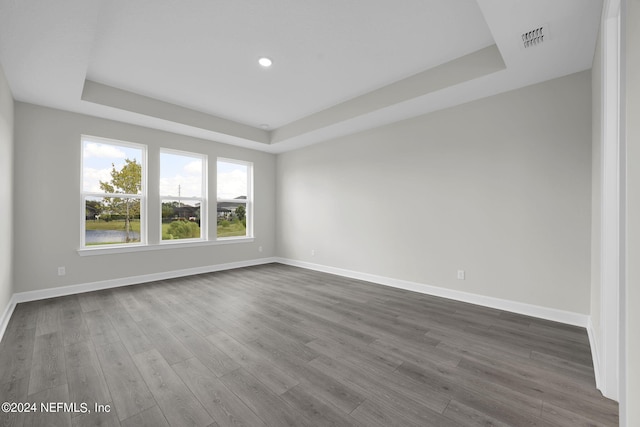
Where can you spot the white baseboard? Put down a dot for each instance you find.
(6, 316)
(133, 280)
(594, 355)
(567, 317)
(115, 283)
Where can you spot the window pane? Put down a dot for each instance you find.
(181, 219)
(106, 221)
(232, 219)
(180, 175)
(111, 168)
(232, 180)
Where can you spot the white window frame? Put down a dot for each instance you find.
(203, 199)
(248, 202)
(86, 194)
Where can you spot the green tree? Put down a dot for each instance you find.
(168, 210)
(126, 181)
(241, 212)
(93, 208)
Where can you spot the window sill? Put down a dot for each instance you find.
(162, 246)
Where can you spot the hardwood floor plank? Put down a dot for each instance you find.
(271, 409)
(224, 406)
(376, 415)
(96, 419)
(504, 409)
(128, 390)
(48, 319)
(412, 398)
(323, 328)
(415, 351)
(317, 412)
(129, 332)
(17, 352)
(155, 309)
(49, 419)
(282, 327)
(595, 407)
(269, 374)
(211, 356)
(48, 369)
(578, 372)
(152, 417)
(321, 385)
(239, 326)
(89, 301)
(191, 318)
(462, 338)
(282, 345)
(100, 328)
(343, 349)
(15, 390)
(381, 413)
(542, 342)
(84, 373)
(468, 382)
(24, 316)
(320, 323)
(169, 346)
(72, 323)
(529, 370)
(126, 297)
(564, 418)
(179, 406)
(464, 415)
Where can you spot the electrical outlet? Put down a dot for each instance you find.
(62, 271)
(259, 248)
(313, 252)
(461, 274)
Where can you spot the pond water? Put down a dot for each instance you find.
(93, 237)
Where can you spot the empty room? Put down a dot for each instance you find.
(314, 213)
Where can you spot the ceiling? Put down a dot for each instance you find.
(339, 67)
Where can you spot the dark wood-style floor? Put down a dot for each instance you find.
(280, 346)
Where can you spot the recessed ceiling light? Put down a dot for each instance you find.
(265, 62)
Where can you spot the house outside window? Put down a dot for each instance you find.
(183, 189)
(234, 198)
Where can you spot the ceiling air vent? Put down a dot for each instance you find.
(535, 36)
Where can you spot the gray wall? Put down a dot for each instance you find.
(500, 187)
(632, 71)
(6, 192)
(47, 201)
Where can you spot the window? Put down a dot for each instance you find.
(182, 195)
(114, 198)
(113, 192)
(234, 210)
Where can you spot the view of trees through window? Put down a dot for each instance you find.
(182, 194)
(114, 197)
(233, 188)
(112, 192)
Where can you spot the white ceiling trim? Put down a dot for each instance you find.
(350, 116)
